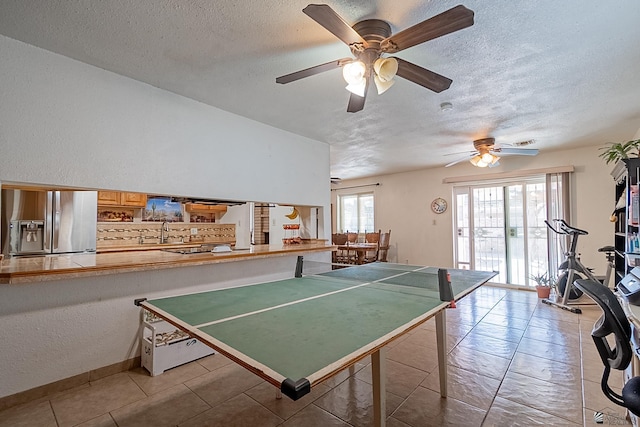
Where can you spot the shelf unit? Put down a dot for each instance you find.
(625, 174)
(165, 347)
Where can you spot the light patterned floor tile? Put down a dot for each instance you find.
(103, 396)
(506, 413)
(555, 399)
(426, 408)
(165, 408)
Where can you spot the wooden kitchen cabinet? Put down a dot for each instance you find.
(109, 198)
(116, 198)
(197, 207)
(133, 199)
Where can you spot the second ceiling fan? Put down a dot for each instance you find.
(486, 153)
(369, 40)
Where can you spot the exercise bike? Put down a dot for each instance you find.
(571, 269)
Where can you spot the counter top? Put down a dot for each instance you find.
(17, 270)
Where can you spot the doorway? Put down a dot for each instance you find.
(500, 227)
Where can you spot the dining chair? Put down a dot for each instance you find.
(372, 255)
(383, 248)
(352, 237)
(342, 256)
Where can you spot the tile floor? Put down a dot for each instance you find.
(513, 362)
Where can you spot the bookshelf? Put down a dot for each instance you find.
(627, 213)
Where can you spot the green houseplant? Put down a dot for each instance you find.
(615, 151)
(544, 284)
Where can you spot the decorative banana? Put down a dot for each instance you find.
(293, 214)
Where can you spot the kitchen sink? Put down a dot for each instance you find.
(204, 249)
(184, 251)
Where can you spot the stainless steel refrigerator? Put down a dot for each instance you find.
(48, 222)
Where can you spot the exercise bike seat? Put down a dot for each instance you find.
(607, 249)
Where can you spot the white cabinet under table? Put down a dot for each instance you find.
(164, 347)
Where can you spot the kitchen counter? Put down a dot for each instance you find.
(18, 270)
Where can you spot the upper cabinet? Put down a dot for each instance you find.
(133, 199)
(116, 198)
(111, 198)
(197, 207)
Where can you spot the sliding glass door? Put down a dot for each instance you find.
(500, 227)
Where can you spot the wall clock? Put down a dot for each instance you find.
(439, 205)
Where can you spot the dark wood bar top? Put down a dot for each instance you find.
(16, 270)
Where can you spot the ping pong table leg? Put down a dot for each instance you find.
(441, 338)
(379, 372)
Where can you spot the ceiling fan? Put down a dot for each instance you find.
(369, 40)
(487, 154)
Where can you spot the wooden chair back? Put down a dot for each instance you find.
(339, 238)
(342, 256)
(372, 237)
(372, 255)
(352, 237)
(383, 250)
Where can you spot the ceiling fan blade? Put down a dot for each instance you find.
(447, 22)
(356, 102)
(422, 76)
(460, 160)
(329, 19)
(516, 151)
(288, 78)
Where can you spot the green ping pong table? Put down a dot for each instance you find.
(296, 333)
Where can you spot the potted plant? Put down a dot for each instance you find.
(544, 284)
(615, 151)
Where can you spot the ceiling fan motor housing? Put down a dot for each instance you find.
(373, 31)
(484, 145)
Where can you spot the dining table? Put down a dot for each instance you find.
(360, 249)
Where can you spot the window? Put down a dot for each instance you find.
(356, 213)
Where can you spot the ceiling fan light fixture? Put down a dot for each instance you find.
(354, 72)
(484, 159)
(357, 88)
(477, 161)
(385, 68)
(382, 85)
(487, 157)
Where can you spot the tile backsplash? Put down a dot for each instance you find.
(111, 235)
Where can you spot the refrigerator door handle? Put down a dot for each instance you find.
(48, 226)
(55, 231)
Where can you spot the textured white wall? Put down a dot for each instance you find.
(65, 123)
(402, 204)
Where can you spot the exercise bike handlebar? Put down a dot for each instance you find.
(565, 228)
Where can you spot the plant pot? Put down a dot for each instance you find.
(543, 291)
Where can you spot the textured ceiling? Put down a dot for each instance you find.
(564, 73)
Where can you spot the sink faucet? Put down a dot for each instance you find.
(164, 228)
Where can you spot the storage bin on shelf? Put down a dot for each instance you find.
(165, 347)
(291, 234)
(633, 259)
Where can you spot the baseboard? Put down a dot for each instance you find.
(68, 383)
